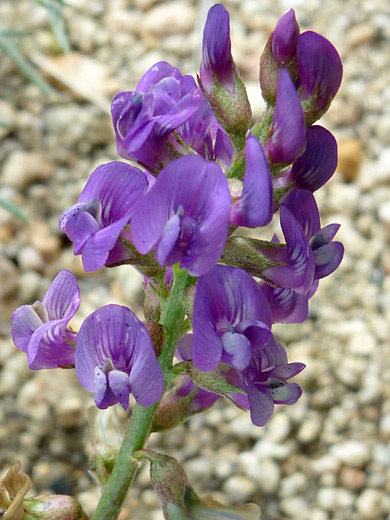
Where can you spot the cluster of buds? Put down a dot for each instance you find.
(204, 170)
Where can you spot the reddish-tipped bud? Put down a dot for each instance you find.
(156, 332)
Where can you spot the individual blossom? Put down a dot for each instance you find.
(287, 305)
(327, 254)
(231, 319)
(317, 163)
(320, 73)
(115, 357)
(286, 139)
(219, 76)
(265, 382)
(40, 330)
(104, 208)
(253, 207)
(185, 215)
(143, 119)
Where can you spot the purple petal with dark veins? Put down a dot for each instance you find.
(255, 206)
(319, 160)
(319, 66)
(287, 306)
(303, 207)
(48, 347)
(327, 258)
(288, 131)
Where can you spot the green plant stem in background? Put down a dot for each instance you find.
(125, 466)
(13, 52)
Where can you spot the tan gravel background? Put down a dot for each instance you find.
(326, 458)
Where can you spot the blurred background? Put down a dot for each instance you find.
(327, 457)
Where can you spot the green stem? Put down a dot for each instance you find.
(125, 466)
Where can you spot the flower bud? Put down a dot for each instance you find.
(285, 37)
(156, 332)
(102, 460)
(220, 80)
(54, 507)
(279, 52)
(169, 481)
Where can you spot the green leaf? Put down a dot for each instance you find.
(12, 209)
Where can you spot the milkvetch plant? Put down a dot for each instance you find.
(212, 295)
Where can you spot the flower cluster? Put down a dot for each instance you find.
(205, 169)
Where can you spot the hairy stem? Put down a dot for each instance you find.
(138, 431)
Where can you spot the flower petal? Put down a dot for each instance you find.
(255, 206)
(288, 131)
(62, 299)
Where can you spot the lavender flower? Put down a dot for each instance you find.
(287, 305)
(41, 330)
(317, 163)
(254, 206)
(327, 254)
(104, 207)
(286, 140)
(185, 215)
(265, 382)
(143, 119)
(115, 357)
(231, 319)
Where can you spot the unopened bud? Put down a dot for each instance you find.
(102, 460)
(54, 507)
(156, 332)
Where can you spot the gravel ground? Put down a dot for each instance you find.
(327, 457)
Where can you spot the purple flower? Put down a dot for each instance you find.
(217, 61)
(231, 319)
(255, 205)
(185, 215)
(327, 254)
(297, 264)
(320, 70)
(41, 330)
(265, 382)
(285, 38)
(115, 357)
(105, 206)
(288, 306)
(287, 137)
(219, 77)
(317, 163)
(143, 119)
